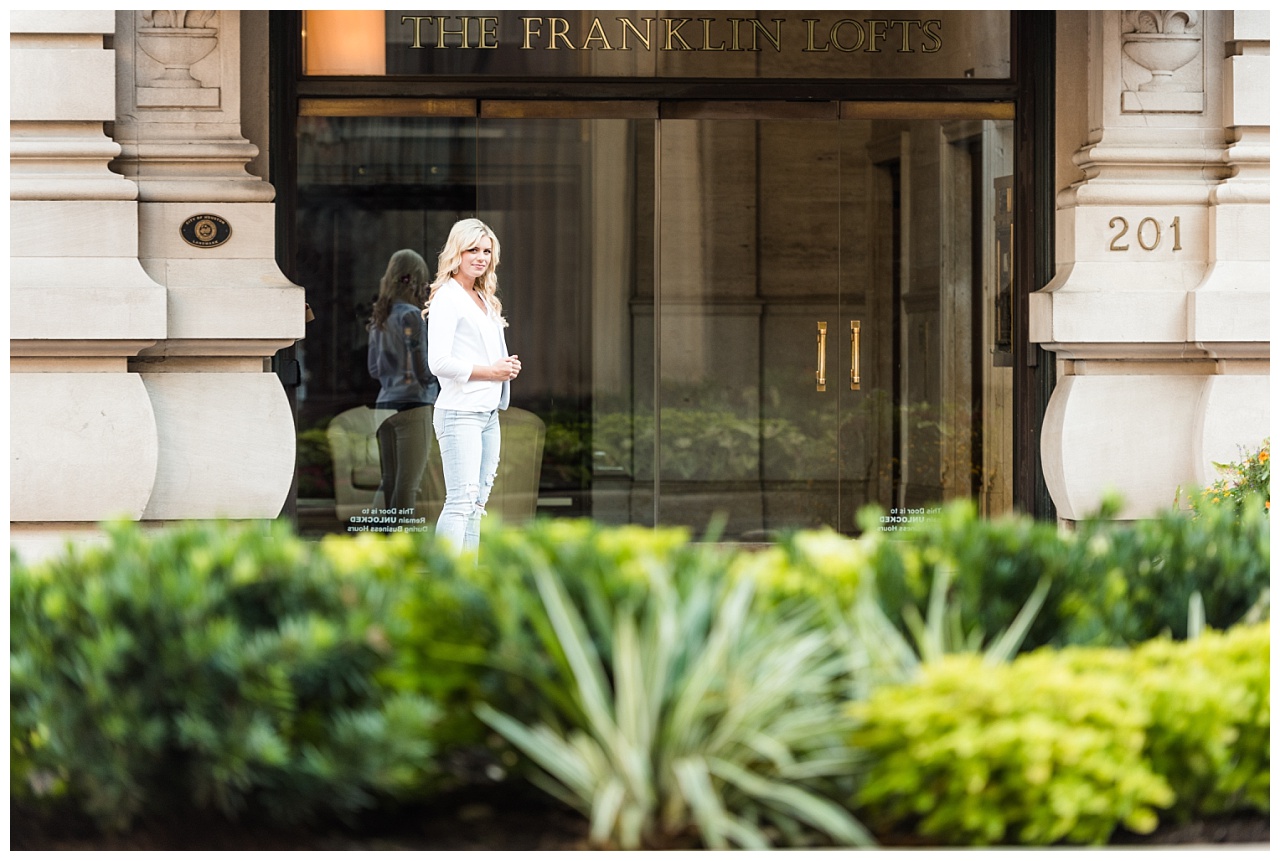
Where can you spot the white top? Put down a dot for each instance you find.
(459, 337)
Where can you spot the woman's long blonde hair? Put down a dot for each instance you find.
(465, 234)
(404, 280)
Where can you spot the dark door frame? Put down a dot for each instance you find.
(1030, 88)
(1034, 72)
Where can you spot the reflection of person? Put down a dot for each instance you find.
(468, 352)
(398, 361)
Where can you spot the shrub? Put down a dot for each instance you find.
(992, 565)
(671, 706)
(669, 687)
(1023, 753)
(440, 630)
(820, 566)
(1110, 583)
(1066, 746)
(207, 665)
(1210, 730)
(836, 574)
(461, 632)
(1133, 582)
(601, 569)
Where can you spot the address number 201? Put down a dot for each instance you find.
(1149, 234)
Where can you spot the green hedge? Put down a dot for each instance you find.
(1210, 730)
(241, 667)
(1131, 583)
(207, 665)
(441, 629)
(1067, 745)
(1111, 584)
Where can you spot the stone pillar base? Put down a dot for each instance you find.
(83, 446)
(226, 445)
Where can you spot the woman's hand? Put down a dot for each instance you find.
(499, 372)
(508, 368)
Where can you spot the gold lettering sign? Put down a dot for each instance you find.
(709, 45)
(485, 31)
(670, 33)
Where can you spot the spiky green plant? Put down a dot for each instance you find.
(942, 631)
(709, 722)
(879, 654)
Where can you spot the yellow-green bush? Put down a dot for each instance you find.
(1210, 730)
(815, 565)
(1066, 746)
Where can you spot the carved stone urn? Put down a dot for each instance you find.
(1162, 43)
(177, 41)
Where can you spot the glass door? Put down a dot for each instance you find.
(828, 305)
(750, 311)
(774, 312)
(926, 250)
(568, 188)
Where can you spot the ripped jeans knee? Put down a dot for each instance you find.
(476, 502)
(464, 504)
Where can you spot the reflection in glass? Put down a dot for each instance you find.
(668, 281)
(570, 200)
(750, 265)
(566, 196)
(367, 187)
(407, 390)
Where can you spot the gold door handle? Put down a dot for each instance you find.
(855, 350)
(822, 357)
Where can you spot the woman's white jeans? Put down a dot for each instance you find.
(469, 444)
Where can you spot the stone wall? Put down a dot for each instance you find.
(145, 301)
(1159, 311)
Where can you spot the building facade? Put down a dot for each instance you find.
(762, 269)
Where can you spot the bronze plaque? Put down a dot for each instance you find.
(206, 231)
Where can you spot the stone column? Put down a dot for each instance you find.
(83, 436)
(1229, 312)
(206, 233)
(1158, 311)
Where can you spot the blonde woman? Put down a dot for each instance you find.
(398, 361)
(468, 352)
